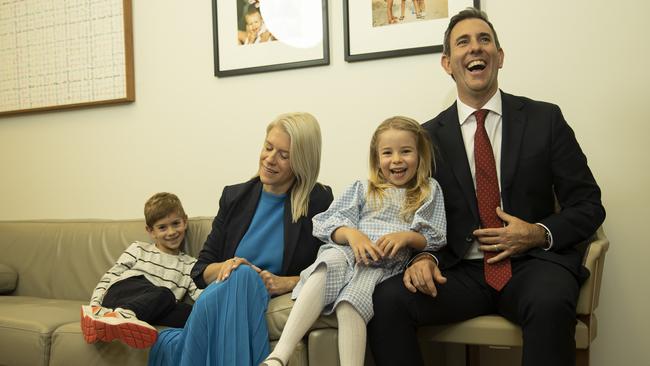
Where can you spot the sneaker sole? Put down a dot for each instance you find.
(134, 333)
(87, 328)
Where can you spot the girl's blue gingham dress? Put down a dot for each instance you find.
(355, 283)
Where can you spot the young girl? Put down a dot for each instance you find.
(371, 231)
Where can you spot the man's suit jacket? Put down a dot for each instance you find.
(236, 209)
(540, 161)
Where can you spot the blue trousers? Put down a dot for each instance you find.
(227, 326)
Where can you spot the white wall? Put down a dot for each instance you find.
(191, 133)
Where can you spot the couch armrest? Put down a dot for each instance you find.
(594, 261)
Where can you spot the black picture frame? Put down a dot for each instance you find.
(226, 55)
(355, 34)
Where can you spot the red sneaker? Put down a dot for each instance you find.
(118, 324)
(88, 314)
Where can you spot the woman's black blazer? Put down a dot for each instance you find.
(236, 209)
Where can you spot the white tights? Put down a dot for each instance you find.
(308, 306)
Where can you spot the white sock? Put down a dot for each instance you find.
(304, 313)
(352, 335)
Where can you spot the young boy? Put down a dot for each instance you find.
(146, 284)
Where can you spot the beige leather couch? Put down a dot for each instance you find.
(48, 269)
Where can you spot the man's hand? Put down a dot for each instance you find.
(278, 285)
(518, 236)
(423, 275)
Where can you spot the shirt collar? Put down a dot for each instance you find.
(493, 105)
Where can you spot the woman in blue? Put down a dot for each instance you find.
(261, 240)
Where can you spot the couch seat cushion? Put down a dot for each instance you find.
(26, 325)
(278, 311)
(495, 331)
(69, 348)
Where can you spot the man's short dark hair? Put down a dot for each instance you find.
(468, 13)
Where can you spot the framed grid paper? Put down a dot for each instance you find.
(65, 54)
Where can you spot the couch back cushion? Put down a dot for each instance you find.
(8, 279)
(64, 259)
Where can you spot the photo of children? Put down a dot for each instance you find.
(251, 27)
(385, 12)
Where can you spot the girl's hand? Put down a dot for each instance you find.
(391, 243)
(363, 248)
(278, 285)
(230, 265)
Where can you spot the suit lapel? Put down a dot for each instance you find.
(452, 146)
(514, 122)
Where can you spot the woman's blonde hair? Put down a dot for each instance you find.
(417, 189)
(304, 156)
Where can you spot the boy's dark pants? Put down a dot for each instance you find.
(150, 303)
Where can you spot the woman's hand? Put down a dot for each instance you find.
(278, 285)
(224, 268)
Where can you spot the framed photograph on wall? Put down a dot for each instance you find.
(377, 29)
(252, 36)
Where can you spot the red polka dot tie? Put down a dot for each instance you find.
(489, 198)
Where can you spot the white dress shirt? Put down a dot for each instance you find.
(493, 122)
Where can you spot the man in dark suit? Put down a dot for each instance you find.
(535, 159)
